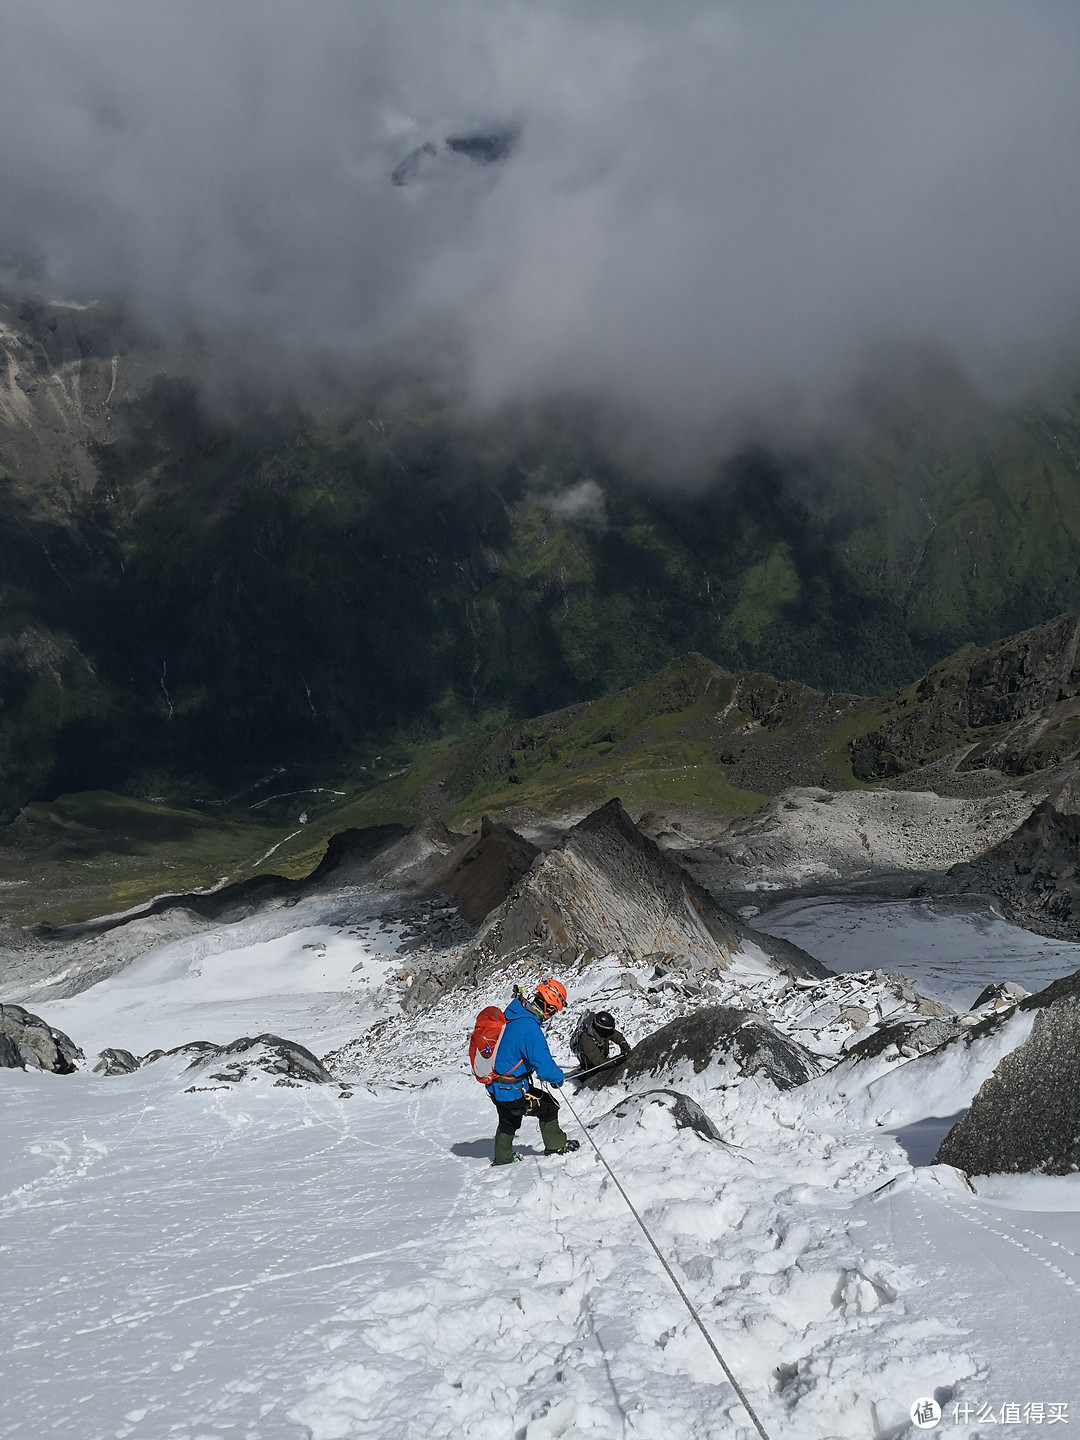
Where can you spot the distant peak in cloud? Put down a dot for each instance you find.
(484, 147)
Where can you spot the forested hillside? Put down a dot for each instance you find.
(199, 600)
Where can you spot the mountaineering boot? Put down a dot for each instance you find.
(504, 1149)
(567, 1149)
(555, 1141)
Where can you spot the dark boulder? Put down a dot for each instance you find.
(1027, 1115)
(708, 1036)
(31, 1041)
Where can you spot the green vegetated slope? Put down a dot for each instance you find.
(234, 597)
(96, 853)
(693, 733)
(729, 742)
(971, 514)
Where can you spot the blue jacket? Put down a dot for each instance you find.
(522, 1051)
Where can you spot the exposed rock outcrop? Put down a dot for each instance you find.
(910, 1036)
(1024, 691)
(709, 1036)
(1034, 873)
(607, 888)
(484, 869)
(116, 1062)
(287, 1061)
(63, 369)
(1002, 995)
(27, 1040)
(1027, 1115)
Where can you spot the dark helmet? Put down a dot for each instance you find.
(603, 1024)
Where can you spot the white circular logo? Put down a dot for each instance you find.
(926, 1413)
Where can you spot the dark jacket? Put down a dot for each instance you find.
(595, 1050)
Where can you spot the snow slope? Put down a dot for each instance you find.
(262, 1261)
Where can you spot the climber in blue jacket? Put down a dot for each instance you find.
(522, 1053)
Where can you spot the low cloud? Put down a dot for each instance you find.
(583, 502)
(702, 214)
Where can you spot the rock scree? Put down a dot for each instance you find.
(484, 869)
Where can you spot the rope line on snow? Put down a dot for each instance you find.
(672, 1277)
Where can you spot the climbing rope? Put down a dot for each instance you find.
(671, 1276)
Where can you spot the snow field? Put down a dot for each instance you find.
(552, 1317)
(177, 1265)
(952, 951)
(287, 1264)
(292, 970)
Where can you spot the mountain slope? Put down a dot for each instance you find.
(693, 742)
(196, 597)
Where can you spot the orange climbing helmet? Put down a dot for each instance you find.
(551, 995)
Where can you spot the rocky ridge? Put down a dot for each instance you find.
(606, 889)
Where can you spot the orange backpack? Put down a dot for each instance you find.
(484, 1042)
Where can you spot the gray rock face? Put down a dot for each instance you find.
(26, 1040)
(1035, 873)
(708, 1035)
(1067, 988)
(607, 888)
(1027, 1115)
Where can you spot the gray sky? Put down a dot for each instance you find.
(711, 209)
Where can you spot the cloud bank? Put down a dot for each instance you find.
(695, 210)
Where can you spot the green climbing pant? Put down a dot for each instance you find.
(511, 1114)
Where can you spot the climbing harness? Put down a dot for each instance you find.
(673, 1278)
